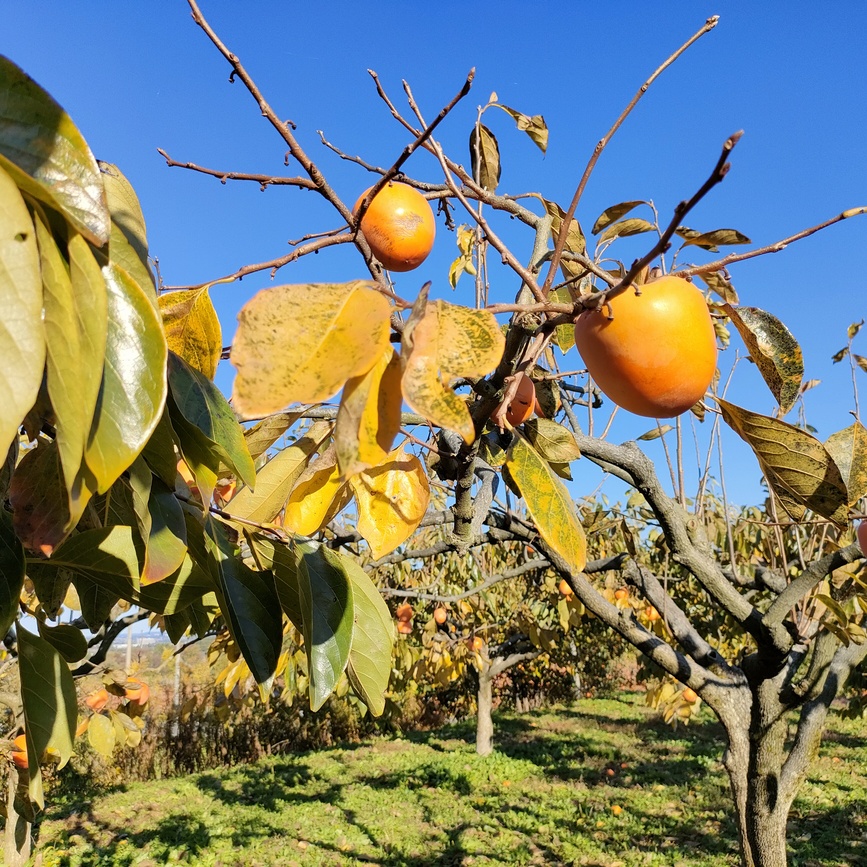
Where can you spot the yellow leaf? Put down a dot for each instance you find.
(441, 343)
(301, 343)
(317, 497)
(548, 503)
(276, 479)
(369, 416)
(392, 499)
(192, 328)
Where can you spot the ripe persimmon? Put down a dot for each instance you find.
(404, 627)
(690, 695)
(523, 403)
(137, 692)
(97, 700)
(565, 588)
(404, 611)
(653, 353)
(475, 644)
(861, 534)
(621, 595)
(399, 226)
(19, 751)
(440, 615)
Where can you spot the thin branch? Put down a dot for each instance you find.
(263, 180)
(719, 264)
(603, 142)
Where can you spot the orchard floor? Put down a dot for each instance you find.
(596, 783)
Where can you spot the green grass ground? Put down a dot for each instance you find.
(550, 795)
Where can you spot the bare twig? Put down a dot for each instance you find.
(603, 142)
(263, 180)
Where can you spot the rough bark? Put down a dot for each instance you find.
(484, 720)
(17, 835)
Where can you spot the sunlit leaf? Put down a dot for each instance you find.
(11, 572)
(193, 329)
(861, 361)
(101, 735)
(301, 343)
(655, 433)
(848, 448)
(484, 157)
(564, 335)
(369, 416)
(203, 406)
(719, 284)
(632, 226)
(133, 390)
(548, 503)
(392, 499)
(369, 665)
(319, 494)
(75, 329)
(613, 214)
(249, 602)
(575, 240)
(53, 161)
(853, 329)
(274, 482)
(718, 237)
(465, 240)
(22, 339)
(329, 615)
(793, 461)
(126, 214)
(49, 703)
(774, 350)
(442, 342)
(552, 441)
(534, 126)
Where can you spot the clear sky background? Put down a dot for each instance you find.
(138, 76)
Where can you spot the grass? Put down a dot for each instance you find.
(545, 797)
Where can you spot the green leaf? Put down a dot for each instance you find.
(564, 335)
(51, 586)
(49, 702)
(159, 451)
(11, 572)
(834, 607)
(484, 157)
(203, 406)
(127, 216)
(166, 542)
(328, 611)
(106, 555)
(22, 338)
(96, 601)
(66, 640)
(275, 480)
(534, 126)
(633, 226)
(718, 237)
(613, 214)
(193, 329)
(249, 602)
(53, 161)
(287, 566)
(40, 513)
(75, 332)
(552, 441)
(774, 350)
(848, 448)
(795, 464)
(133, 390)
(548, 503)
(369, 665)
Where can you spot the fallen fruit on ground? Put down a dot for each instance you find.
(652, 353)
(399, 226)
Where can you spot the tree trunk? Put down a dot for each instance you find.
(17, 841)
(484, 720)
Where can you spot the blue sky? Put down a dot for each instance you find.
(138, 76)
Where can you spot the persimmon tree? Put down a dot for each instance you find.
(129, 477)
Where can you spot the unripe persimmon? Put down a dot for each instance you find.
(652, 353)
(399, 226)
